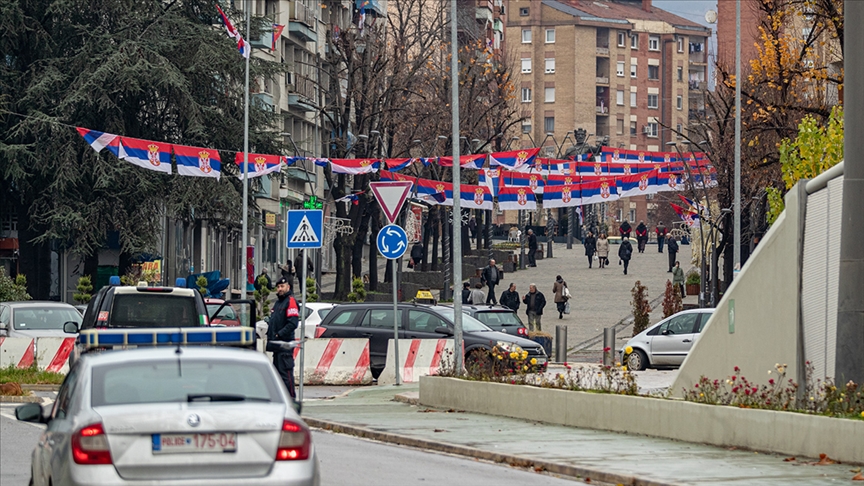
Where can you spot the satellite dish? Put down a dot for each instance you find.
(711, 16)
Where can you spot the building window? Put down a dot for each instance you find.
(653, 43)
(549, 97)
(549, 124)
(526, 36)
(619, 97)
(634, 41)
(526, 65)
(550, 65)
(523, 12)
(632, 128)
(652, 101)
(526, 95)
(621, 39)
(632, 70)
(651, 129)
(680, 44)
(680, 134)
(680, 73)
(653, 72)
(633, 99)
(619, 127)
(526, 126)
(620, 69)
(679, 102)
(550, 36)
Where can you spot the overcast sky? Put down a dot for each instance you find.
(689, 9)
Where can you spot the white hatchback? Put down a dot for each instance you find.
(169, 415)
(668, 342)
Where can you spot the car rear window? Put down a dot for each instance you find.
(153, 310)
(173, 380)
(499, 318)
(43, 318)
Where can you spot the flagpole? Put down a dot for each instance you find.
(243, 267)
(457, 190)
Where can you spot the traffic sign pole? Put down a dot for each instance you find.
(392, 243)
(302, 327)
(395, 321)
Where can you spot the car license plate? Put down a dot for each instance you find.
(540, 361)
(187, 443)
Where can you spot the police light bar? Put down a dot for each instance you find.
(214, 336)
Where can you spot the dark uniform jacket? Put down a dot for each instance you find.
(283, 323)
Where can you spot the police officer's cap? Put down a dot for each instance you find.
(283, 280)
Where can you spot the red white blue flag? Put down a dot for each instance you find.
(639, 184)
(514, 159)
(233, 33)
(277, 34)
(398, 164)
(473, 197)
(490, 178)
(474, 161)
(100, 140)
(147, 154)
(354, 166)
(533, 180)
(516, 198)
(599, 191)
(197, 161)
(259, 164)
(561, 196)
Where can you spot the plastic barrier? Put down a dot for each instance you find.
(418, 357)
(52, 354)
(17, 352)
(335, 362)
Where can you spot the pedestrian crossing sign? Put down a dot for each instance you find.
(304, 228)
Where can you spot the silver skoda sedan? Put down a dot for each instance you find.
(172, 416)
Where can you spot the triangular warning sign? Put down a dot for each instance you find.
(304, 233)
(391, 196)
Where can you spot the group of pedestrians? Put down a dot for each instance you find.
(600, 245)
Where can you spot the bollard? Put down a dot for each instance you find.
(560, 344)
(609, 342)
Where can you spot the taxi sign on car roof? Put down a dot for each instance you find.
(424, 296)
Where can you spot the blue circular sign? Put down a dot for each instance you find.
(392, 241)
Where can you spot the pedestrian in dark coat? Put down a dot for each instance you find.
(534, 302)
(559, 288)
(472, 227)
(283, 323)
(269, 283)
(416, 256)
(625, 252)
(491, 276)
(625, 229)
(641, 236)
(672, 246)
(590, 248)
(532, 248)
(298, 266)
(661, 235)
(510, 298)
(466, 293)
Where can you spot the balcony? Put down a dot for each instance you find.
(602, 109)
(696, 85)
(602, 80)
(301, 92)
(696, 115)
(263, 101)
(698, 59)
(301, 21)
(603, 51)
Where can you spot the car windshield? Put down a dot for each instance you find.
(174, 380)
(469, 324)
(153, 310)
(495, 318)
(227, 312)
(44, 318)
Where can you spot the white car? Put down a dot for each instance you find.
(666, 343)
(172, 416)
(36, 319)
(315, 313)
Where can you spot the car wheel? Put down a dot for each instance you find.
(637, 360)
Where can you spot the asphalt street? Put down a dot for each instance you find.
(345, 461)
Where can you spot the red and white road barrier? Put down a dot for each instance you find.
(335, 362)
(17, 352)
(418, 357)
(52, 354)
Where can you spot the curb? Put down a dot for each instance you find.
(17, 399)
(39, 387)
(404, 398)
(538, 465)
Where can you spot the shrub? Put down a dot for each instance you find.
(358, 293)
(693, 278)
(641, 307)
(672, 300)
(311, 295)
(201, 282)
(12, 289)
(84, 287)
(261, 295)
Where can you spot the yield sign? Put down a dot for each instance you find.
(391, 196)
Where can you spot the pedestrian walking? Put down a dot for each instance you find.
(534, 302)
(641, 236)
(603, 250)
(661, 235)
(625, 229)
(477, 297)
(491, 275)
(510, 298)
(472, 227)
(678, 278)
(298, 266)
(532, 248)
(672, 247)
(283, 323)
(466, 293)
(417, 253)
(268, 284)
(625, 253)
(562, 295)
(590, 248)
(287, 270)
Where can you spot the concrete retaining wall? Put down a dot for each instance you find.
(762, 430)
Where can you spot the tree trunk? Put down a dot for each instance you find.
(373, 249)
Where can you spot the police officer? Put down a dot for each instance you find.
(283, 322)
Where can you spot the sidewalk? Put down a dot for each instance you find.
(605, 457)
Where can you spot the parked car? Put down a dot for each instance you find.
(35, 319)
(668, 342)
(497, 317)
(221, 314)
(374, 321)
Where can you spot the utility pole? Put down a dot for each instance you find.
(736, 259)
(245, 240)
(457, 187)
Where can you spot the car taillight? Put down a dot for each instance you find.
(90, 446)
(294, 443)
(522, 331)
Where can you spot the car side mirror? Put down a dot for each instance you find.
(70, 327)
(30, 412)
(666, 332)
(444, 330)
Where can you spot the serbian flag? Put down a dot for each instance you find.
(259, 164)
(639, 184)
(689, 217)
(398, 164)
(392, 176)
(100, 140)
(197, 161)
(516, 198)
(490, 178)
(514, 159)
(242, 45)
(475, 161)
(669, 181)
(561, 196)
(277, 34)
(354, 166)
(524, 179)
(563, 180)
(598, 167)
(563, 168)
(692, 206)
(599, 191)
(435, 192)
(473, 197)
(144, 153)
